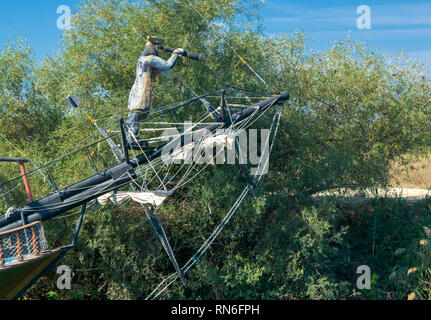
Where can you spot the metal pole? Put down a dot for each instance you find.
(78, 226)
(160, 232)
(13, 160)
(124, 140)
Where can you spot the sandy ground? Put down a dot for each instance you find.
(416, 176)
(415, 182)
(411, 183)
(409, 194)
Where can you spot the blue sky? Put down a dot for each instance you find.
(395, 25)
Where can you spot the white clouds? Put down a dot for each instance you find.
(394, 26)
(383, 15)
(403, 20)
(315, 19)
(403, 14)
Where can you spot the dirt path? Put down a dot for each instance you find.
(409, 194)
(417, 175)
(412, 183)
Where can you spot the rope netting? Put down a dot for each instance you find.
(21, 244)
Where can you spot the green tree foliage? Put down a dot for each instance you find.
(22, 102)
(351, 113)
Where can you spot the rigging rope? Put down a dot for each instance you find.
(162, 287)
(23, 154)
(230, 46)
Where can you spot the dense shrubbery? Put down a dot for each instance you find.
(350, 115)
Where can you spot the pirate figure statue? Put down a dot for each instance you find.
(149, 65)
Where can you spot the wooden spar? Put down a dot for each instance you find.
(23, 173)
(26, 184)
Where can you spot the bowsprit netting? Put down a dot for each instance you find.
(21, 244)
